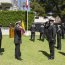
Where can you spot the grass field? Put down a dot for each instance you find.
(33, 53)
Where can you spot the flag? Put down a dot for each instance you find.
(23, 25)
(27, 4)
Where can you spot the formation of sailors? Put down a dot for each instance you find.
(51, 33)
(48, 31)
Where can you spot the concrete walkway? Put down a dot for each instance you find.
(5, 31)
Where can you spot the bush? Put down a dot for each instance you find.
(7, 17)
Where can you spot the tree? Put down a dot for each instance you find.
(60, 8)
(56, 6)
(35, 6)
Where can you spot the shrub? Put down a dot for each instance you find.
(7, 17)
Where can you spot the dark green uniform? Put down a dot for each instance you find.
(51, 35)
(33, 33)
(59, 38)
(62, 27)
(17, 41)
(0, 38)
(42, 33)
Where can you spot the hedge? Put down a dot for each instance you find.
(7, 17)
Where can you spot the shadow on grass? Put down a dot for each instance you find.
(41, 40)
(62, 53)
(55, 47)
(1, 51)
(32, 40)
(45, 53)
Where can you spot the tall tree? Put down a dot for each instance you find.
(36, 6)
(44, 6)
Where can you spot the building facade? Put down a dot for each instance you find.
(8, 4)
(14, 4)
(5, 4)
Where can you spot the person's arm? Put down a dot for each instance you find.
(22, 30)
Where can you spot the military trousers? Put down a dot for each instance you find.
(42, 36)
(59, 42)
(17, 51)
(62, 34)
(51, 47)
(33, 36)
(0, 43)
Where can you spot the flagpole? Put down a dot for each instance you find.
(27, 32)
(27, 20)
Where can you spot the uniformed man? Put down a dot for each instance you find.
(0, 37)
(46, 29)
(42, 32)
(62, 27)
(59, 38)
(55, 32)
(33, 32)
(51, 38)
(17, 40)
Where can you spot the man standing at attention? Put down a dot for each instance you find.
(0, 37)
(18, 31)
(51, 36)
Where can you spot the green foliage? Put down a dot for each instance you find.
(45, 6)
(63, 12)
(7, 17)
(31, 19)
(35, 6)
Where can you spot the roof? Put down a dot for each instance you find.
(5, 1)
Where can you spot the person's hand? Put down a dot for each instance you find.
(20, 27)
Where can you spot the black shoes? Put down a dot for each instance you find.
(18, 58)
(58, 48)
(50, 58)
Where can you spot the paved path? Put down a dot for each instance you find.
(5, 31)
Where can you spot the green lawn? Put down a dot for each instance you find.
(32, 53)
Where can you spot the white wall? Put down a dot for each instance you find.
(5, 31)
(5, 1)
(40, 20)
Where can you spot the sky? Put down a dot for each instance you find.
(22, 1)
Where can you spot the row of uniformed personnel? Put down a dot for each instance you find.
(49, 31)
